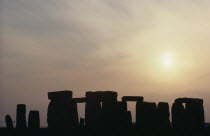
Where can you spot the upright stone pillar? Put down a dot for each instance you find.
(92, 110)
(151, 115)
(33, 120)
(163, 115)
(193, 113)
(62, 110)
(146, 115)
(109, 109)
(201, 117)
(178, 115)
(138, 100)
(123, 117)
(21, 116)
(8, 120)
(128, 119)
(140, 114)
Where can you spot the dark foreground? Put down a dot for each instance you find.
(104, 132)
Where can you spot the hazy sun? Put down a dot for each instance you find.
(167, 60)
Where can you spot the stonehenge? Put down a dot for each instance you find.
(103, 110)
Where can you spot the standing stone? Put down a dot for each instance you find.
(178, 115)
(193, 111)
(122, 115)
(33, 119)
(151, 115)
(21, 116)
(195, 114)
(62, 110)
(92, 110)
(140, 109)
(201, 119)
(109, 109)
(8, 121)
(138, 100)
(163, 115)
(146, 115)
(128, 119)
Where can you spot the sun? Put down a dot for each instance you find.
(167, 60)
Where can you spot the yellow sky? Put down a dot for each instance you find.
(103, 45)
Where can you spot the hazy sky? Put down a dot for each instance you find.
(82, 45)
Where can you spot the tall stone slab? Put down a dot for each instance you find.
(163, 115)
(140, 113)
(195, 115)
(122, 116)
(21, 116)
(178, 115)
(93, 110)
(34, 120)
(146, 115)
(109, 109)
(128, 119)
(62, 110)
(151, 115)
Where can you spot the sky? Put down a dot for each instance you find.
(158, 49)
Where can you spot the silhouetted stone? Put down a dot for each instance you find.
(132, 98)
(80, 100)
(21, 116)
(193, 111)
(109, 109)
(122, 106)
(121, 117)
(195, 115)
(152, 115)
(33, 119)
(178, 115)
(128, 119)
(106, 96)
(140, 114)
(92, 110)
(66, 94)
(8, 120)
(188, 100)
(163, 115)
(104, 117)
(62, 110)
(146, 116)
